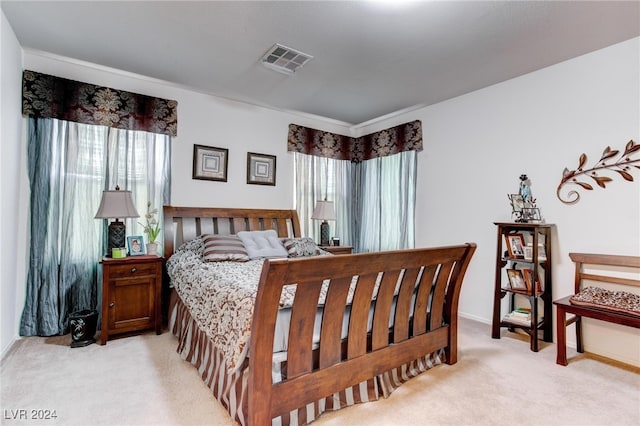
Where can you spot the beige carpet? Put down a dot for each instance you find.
(141, 380)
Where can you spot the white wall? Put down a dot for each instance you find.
(12, 249)
(476, 146)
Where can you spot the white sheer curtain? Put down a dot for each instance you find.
(385, 202)
(69, 166)
(317, 178)
(374, 199)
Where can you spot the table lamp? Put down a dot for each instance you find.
(324, 211)
(115, 205)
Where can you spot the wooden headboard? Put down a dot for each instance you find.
(185, 223)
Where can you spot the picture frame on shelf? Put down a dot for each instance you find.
(528, 279)
(261, 169)
(517, 203)
(210, 163)
(542, 252)
(515, 245)
(531, 214)
(135, 245)
(528, 252)
(516, 280)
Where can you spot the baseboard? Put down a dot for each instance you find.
(10, 347)
(474, 318)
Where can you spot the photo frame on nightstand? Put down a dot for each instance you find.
(135, 244)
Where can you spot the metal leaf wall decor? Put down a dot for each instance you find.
(608, 162)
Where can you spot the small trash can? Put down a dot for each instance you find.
(83, 327)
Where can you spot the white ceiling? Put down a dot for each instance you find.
(370, 58)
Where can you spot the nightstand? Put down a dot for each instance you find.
(337, 249)
(131, 289)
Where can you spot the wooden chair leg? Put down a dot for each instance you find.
(579, 334)
(561, 336)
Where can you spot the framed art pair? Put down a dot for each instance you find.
(211, 163)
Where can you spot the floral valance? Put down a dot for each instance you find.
(48, 96)
(405, 137)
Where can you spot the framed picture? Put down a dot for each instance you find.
(517, 202)
(516, 280)
(542, 253)
(135, 244)
(515, 245)
(528, 252)
(261, 169)
(531, 214)
(528, 279)
(210, 163)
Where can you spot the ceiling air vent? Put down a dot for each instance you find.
(285, 59)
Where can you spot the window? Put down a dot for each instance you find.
(69, 165)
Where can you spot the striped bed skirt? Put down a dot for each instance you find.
(195, 347)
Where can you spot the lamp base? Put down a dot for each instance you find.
(117, 232)
(324, 233)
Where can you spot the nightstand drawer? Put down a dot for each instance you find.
(134, 270)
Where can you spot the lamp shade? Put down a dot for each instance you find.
(324, 211)
(116, 204)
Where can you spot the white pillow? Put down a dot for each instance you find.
(262, 244)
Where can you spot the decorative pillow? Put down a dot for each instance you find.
(301, 247)
(262, 244)
(218, 248)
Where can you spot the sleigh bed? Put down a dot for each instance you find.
(320, 332)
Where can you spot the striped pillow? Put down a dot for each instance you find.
(219, 248)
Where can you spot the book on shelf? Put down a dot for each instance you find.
(517, 320)
(519, 316)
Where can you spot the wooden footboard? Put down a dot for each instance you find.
(414, 313)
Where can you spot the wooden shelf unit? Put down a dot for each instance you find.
(541, 270)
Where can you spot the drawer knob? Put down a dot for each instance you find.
(133, 270)
(112, 304)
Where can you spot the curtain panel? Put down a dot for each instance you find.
(69, 165)
(47, 96)
(405, 137)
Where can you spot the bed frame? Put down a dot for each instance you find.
(414, 314)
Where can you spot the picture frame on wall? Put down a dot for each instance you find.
(261, 169)
(515, 245)
(210, 163)
(135, 244)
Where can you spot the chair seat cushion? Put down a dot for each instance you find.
(619, 301)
